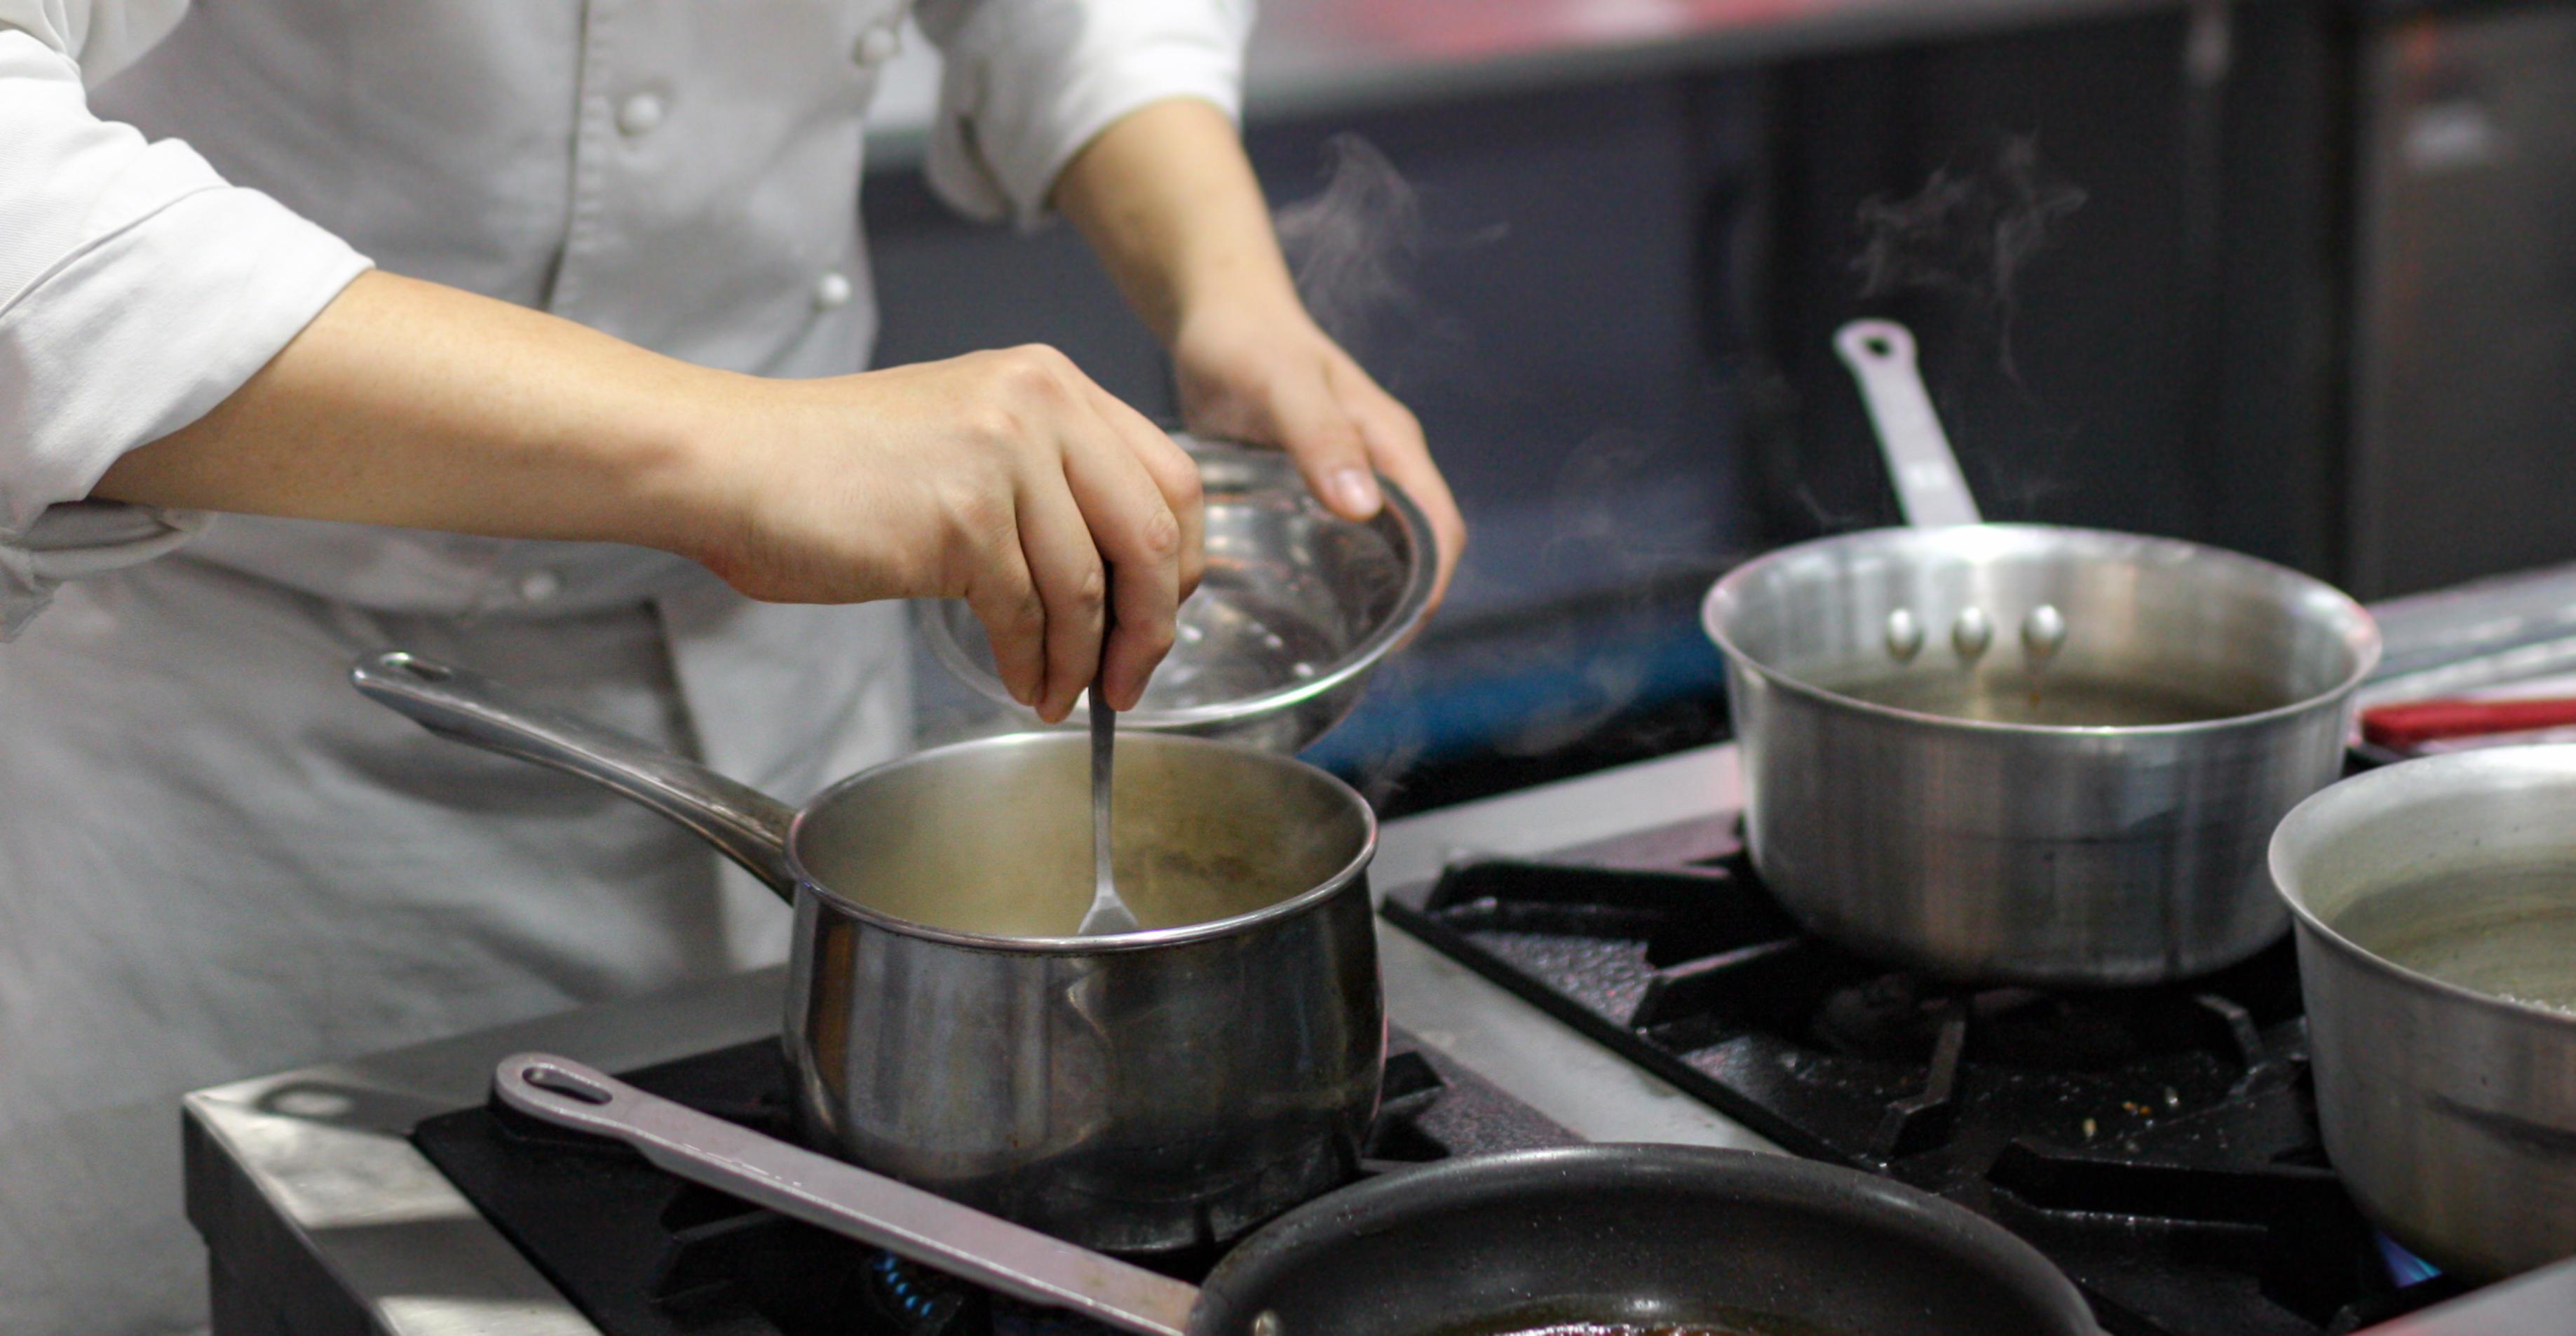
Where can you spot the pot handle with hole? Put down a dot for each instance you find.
(1929, 487)
(846, 1199)
(744, 824)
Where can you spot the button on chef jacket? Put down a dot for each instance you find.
(216, 860)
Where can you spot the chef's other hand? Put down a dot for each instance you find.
(1003, 478)
(1278, 379)
(1167, 198)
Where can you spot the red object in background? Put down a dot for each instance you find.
(2422, 721)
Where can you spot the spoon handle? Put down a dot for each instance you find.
(1104, 740)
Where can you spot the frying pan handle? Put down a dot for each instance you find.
(744, 824)
(846, 1199)
(1929, 488)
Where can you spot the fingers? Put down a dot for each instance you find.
(1315, 428)
(1141, 539)
(1006, 601)
(1066, 570)
(1099, 531)
(1173, 473)
(1395, 443)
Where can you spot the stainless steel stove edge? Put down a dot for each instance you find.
(321, 1219)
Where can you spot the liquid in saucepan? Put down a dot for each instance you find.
(2506, 932)
(2063, 699)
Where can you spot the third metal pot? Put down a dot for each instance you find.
(1142, 1092)
(2436, 904)
(2021, 752)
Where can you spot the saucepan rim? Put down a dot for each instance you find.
(2359, 631)
(1106, 944)
(2553, 759)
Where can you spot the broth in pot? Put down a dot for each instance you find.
(2507, 932)
(2013, 694)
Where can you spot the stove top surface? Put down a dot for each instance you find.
(642, 1253)
(2159, 1144)
(1667, 1010)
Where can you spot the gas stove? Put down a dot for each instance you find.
(644, 1255)
(1586, 960)
(2159, 1144)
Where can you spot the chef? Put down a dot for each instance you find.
(527, 335)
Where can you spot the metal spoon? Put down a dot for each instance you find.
(1108, 914)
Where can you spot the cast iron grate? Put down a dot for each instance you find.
(644, 1254)
(2159, 1143)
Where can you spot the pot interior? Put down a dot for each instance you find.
(993, 837)
(2155, 631)
(2459, 868)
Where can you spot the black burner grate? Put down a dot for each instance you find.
(2159, 1144)
(644, 1254)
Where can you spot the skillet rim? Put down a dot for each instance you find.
(1389, 1199)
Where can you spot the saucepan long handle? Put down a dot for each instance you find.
(846, 1199)
(744, 824)
(1929, 487)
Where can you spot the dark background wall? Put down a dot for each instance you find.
(2103, 365)
(1549, 327)
(1616, 323)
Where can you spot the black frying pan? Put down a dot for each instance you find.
(1624, 1237)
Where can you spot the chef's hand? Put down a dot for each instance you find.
(1002, 478)
(1274, 378)
(1167, 198)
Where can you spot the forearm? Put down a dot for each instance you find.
(409, 403)
(1169, 202)
(1006, 479)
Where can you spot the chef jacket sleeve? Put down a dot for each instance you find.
(137, 290)
(1027, 83)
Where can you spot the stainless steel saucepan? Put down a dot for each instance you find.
(2021, 752)
(1140, 1092)
(2436, 904)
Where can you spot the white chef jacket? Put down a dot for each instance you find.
(215, 859)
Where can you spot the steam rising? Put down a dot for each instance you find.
(1966, 234)
(1593, 528)
(1353, 249)
(1356, 249)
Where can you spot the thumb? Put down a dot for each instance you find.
(1318, 432)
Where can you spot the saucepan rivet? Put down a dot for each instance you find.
(1267, 1325)
(1971, 633)
(2043, 632)
(1904, 635)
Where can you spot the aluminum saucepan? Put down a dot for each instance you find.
(2025, 753)
(1595, 1238)
(2436, 910)
(1150, 1091)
